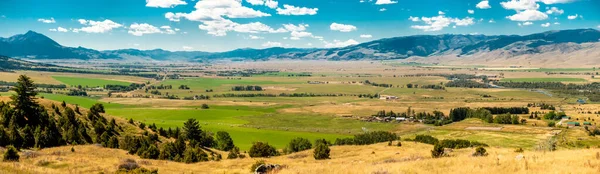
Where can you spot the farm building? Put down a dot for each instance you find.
(572, 124)
(388, 97)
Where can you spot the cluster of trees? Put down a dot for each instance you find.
(594, 132)
(439, 87)
(439, 146)
(190, 145)
(155, 92)
(508, 110)
(508, 119)
(161, 86)
(463, 83)
(590, 90)
(123, 88)
(371, 96)
(542, 106)
(458, 114)
(534, 115)
(61, 86)
(368, 138)
(552, 115)
(183, 87)
(247, 88)
(28, 124)
(378, 84)
(75, 92)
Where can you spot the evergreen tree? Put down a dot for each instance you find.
(28, 137)
(4, 137)
(15, 138)
(25, 105)
(192, 130)
(224, 141)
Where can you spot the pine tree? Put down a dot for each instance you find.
(16, 138)
(28, 137)
(192, 130)
(4, 137)
(25, 105)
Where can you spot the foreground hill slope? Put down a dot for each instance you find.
(377, 158)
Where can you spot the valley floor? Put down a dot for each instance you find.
(379, 158)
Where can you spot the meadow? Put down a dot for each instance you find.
(543, 80)
(89, 82)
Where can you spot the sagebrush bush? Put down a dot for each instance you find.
(480, 151)
(321, 151)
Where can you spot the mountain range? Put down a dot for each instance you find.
(33, 45)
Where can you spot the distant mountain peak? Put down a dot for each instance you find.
(33, 44)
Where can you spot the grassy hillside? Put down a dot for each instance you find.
(378, 158)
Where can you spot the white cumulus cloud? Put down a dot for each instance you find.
(338, 43)
(383, 2)
(187, 48)
(47, 21)
(528, 15)
(555, 11)
(272, 44)
(269, 3)
(292, 10)
(97, 26)
(483, 5)
(557, 1)
(571, 17)
(440, 22)
(253, 37)
(141, 29)
(366, 36)
(342, 27)
(520, 5)
(547, 24)
(59, 29)
(471, 11)
(164, 3)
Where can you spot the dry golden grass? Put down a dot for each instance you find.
(379, 158)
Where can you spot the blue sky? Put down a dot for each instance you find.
(221, 25)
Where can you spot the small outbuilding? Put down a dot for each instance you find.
(570, 124)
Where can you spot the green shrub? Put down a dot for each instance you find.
(298, 144)
(260, 149)
(427, 139)
(321, 151)
(11, 154)
(480, 151)
(438, 151)
(234, 153)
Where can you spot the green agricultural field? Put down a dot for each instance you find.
(210, 83)
(90, 82)
(221, 119)
(543, 80)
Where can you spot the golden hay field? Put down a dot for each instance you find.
(379, 158)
